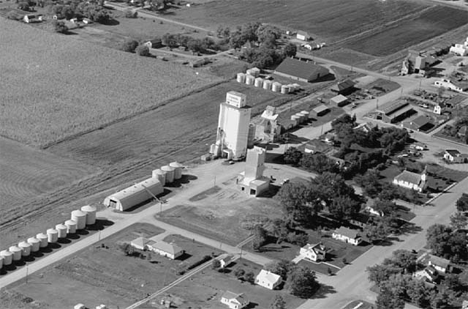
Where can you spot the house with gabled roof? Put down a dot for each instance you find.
(428, 274)
(343, 87)
(316, 252)
(268, 280)
(455, 156)
(411, 180)
(462, 131)
(234, 301)
(440, 264)
(347, 235)
(303, 36)
(166, 249)
(140, 243)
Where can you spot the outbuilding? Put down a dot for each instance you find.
(344, 87)
(134, 195)
(347, 235)
(301, 70)
(268, 279)
(339, 101)
(169, 250)
(303, 36)
(319, 110)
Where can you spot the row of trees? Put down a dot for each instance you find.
(448, 243)
(131, 46)
(95, 11)
(192, 44)
(396, 284)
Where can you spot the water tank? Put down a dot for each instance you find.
(276, 87)
(249, 79)
(305, 114)
(267, 84)
(80, 218)
(1, 262)
(295, 119)
(177, 169)
(7, 257)
(35, 244)
(25, 248)
(169, 173)
(17, 252)
(90, 214)
(61, 230)
(300, 117)
(258, 82)
(241, 78)
(160, 175)
(52, 236)
(284, 89)
(43, 239)
(71, 226)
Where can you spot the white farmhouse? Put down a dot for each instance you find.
(268, 279)
(234, 301)
(347, 235)
(314, 253)
(169, 250)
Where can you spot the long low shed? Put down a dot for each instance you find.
(134, 195)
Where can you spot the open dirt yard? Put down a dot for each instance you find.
(102, 274)
(28, 172)
(204, 290)
(55, 86)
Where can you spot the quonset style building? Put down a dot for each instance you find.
(233, 127)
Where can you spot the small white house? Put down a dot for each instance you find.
(163, 248)
(30, 18)
(224, 262)
(314, 253)
(347, 235)
(440, 264)
(234, 301)
(303, 36)
(455, 156)
(268, 279)
(459, 50)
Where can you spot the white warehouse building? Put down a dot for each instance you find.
(134, 195)
(233, 127)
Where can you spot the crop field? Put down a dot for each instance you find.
(187, 122)
(430, 23)
(103, 274)
(331, 20)
(54, 86)
(28, 172)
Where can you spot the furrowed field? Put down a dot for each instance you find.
(54, 86)
(332, 19)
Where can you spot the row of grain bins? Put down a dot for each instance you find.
(299, 118)
(266, 84)
(145, 190)
(79, 220)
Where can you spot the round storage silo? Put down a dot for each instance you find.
(300, 117)
(71, 226)
(25, 248)
(35, 244)
(7, 257)
(249, 79)
(1, 262)
(52, 236)
(241, 77)
(295, 119)
(80, 218)
(284, 89)
(17, 252)
(305, 114)
(61, 230)
(177, 169)
(276, 87)
(169, 173)
(161, 175)
(90, 214)
(267, 84)
(44, 240)
(258, 82)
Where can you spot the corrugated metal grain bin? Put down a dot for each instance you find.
(177, 169)
(258, 82)
(160, 175)
(249, 79)
(61, 230)
(25, 248)
(267, 84)
(90, 214)
(7, 257)
(35, 244)
(43, 239)
(17, 252)
(276, 87)
(169, 173)
(52, 236)
(241, 78)
(80, 218)
(71, 226)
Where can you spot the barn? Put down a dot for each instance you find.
(134, 195)
(301, 70)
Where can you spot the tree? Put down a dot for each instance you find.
(457, 247)
(289, 50)
(458, 221)
(259, 237)
(59, 26)
(129, 45)
(194, 45)
(462, 202)
(303, 282)
(250, 277)
(282, 268)
(437, 237)
(388, 299)
(376, 232)
(385, 206)
(215, 264)
(292, 156)
(280, 230)
(418, 293)
(143, 50)
(278, 303)
(169, 40)
(380, 273)
(239, 273)
(404, 259)
(370, 182)
(344, 207)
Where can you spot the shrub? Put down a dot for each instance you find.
(143, 50)
(129, 45)
(129, 13)
(206, 258)
(13, 15)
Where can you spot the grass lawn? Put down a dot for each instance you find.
(204, 290)
(103, 274)
(359, 304)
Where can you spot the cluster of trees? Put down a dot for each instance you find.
(461, 120)
(264, 50)
(244, 276)
(367, 150)
(278, 231)
(462, 203)
(313, 162)
(302, 201)
(299, 280)
(192, 44)
(93, 10)
(396, 284)
(155, 5)
(447, 243)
